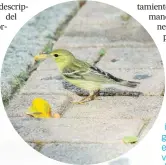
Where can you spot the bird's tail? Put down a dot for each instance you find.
(131, 84)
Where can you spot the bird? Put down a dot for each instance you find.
(84, 75)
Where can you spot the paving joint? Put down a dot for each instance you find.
(64, 24)
(146, 122)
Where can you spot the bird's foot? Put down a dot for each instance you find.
(78, 102)
(82, 101)
(92, 96)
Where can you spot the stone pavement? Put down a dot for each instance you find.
(93, 132)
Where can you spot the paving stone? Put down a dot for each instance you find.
(20, 104)
(105, 14)
(44, 82)
(84, 153)
(78, 41)
(108, 28)
(113, 31)
(117, 107)
(84, 42)
(89, 22)
(133, 58)
(76, 130)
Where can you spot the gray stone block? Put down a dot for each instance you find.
(84, 153)
(112, 30)
(44, 82)
(131, 58)
(110, 26)
(117, 107)
(86, 42)
(76, 130)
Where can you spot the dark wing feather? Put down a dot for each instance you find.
(106, 74)
(118, 80)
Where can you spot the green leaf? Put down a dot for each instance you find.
(130, 139)
(125, 17)
(102, 52)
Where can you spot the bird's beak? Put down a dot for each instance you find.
(41, 56)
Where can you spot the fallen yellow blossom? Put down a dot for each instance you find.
(40, 108)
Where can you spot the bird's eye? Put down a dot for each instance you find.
(55, 55)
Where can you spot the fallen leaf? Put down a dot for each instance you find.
(102, 52)
(130, 139)
(40, 108)
(125, 17)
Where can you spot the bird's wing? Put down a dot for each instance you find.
(100, 76)
(97, 71)
(90, 73)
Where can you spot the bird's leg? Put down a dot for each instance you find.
(94, 94)
(91, 96)
(81, 101)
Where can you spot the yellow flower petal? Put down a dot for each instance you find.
(40, 108)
